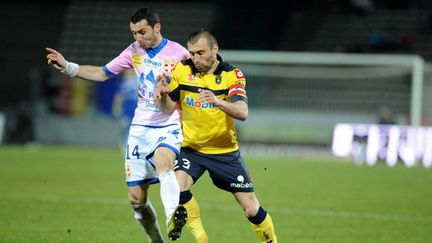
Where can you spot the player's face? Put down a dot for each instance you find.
(145, 34)
(203, 56)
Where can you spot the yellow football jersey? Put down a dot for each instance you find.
(206, 128)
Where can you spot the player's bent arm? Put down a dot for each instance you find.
(161, 97)
(238, 110)
(165, 103)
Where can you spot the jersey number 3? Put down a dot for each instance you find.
(185, 163)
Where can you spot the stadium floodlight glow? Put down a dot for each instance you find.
(427, 158)
(372, 147)
(342, 140)
(390, 143)
(2, 126)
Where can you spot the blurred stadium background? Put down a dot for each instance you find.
(309, 64)
(294, 103)
(290, 103)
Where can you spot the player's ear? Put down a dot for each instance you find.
(157, 28)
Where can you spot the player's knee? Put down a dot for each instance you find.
(164, 159)
(136, 199)
(163, 166)
(250, 205)
(251, 210)
(248, 202)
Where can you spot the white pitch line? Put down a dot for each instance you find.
(235, 208)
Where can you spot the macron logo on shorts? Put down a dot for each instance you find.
(241, 183)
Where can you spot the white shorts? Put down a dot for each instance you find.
(142, 143)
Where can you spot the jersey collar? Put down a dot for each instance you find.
(218, 69)
(152, 52)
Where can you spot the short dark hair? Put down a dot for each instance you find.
(145, 13)
(197, 34)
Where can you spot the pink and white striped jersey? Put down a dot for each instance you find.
(148, 64)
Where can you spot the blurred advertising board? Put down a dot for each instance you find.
(392, 144)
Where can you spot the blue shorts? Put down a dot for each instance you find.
(227, 171)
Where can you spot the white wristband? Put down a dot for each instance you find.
(72, 69)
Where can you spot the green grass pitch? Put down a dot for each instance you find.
(73, 194)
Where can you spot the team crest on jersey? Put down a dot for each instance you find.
(238, 73)
(137, 59)
(218, 79)
(169, 65)
(128, 170)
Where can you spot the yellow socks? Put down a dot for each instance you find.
(264, 229)
(262, 223)
(194, 223)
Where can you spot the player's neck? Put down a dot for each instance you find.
(158, 41)
(213, 68)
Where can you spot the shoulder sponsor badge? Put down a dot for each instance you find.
(238, 73)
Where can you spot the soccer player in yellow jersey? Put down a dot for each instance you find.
(211, 94)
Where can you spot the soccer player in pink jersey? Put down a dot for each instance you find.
(154, 137)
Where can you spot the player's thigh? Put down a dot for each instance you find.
(189, 166)
(138, 168)
(167, 142)
(228, 172)
(164, 159)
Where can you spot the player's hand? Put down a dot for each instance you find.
(207, 96)
(56, 59)
(161, 87)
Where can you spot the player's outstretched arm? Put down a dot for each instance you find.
(56, 59)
